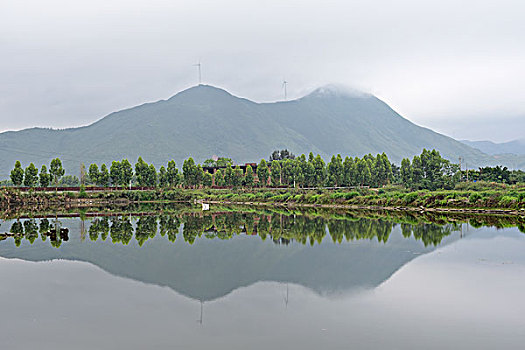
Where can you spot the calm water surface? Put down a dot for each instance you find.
(259, 281)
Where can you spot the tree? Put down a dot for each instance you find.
(93, 174)
(228, 176)
(69, 180)
(141, 172)
(151, 176)
(417, 172)
(248, 178)
(298, 175)
(82, 174)
(320, 170)
(238, 177)
(335, 171)
(172, 174)
(276, 173)
(363, 172)
(103, 178)
(189, 171)
(17, 174)
(281, 155)
(349, 172)
(44, 177)
(287, 171)
(219, 178)
(207, 180)
(126, 172)
(163, 177)
(406, 172)
(56, 170)
(263, 173)
(31, 176)
(115, 173)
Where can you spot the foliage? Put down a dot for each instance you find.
(31, 176)
(17, 174)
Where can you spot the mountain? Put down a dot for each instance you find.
(205, 120)
(489, 147)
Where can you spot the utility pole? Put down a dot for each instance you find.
(285, 92)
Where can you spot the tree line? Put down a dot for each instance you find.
(425, 171)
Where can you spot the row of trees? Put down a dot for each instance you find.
(425, 171)
(30, 177)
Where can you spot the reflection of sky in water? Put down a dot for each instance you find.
(468, 294)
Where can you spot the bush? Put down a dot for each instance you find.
(474, 197)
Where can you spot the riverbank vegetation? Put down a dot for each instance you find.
(427, 181)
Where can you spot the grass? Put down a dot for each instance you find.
(465, 195)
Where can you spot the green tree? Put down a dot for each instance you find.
(349, 172)
(126, 172)
(248, 178)
(17, 174)
(189, 171)
(141, 172)
(103, 178)
(263, 173)
(56, 170)
(406, 172)
(219, 178)
(238, 177)
(115, 173)
(93, 174)
(417, 172)
(151, 176)
(163, 177)
(298, 176)
(320, 170)
(31, 176)
(172, 174)
(335, 171)
(44, 177)
(228, 176)
(207, 180)
(275, 173)
(309, 174)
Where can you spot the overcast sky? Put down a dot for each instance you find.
(455, 66)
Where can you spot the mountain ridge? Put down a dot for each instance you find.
(205, 120)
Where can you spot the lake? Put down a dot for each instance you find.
(245, 278)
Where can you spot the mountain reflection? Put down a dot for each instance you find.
(277, 227)
(207, 255)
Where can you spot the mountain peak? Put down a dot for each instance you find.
(337, 90)
(202, 91)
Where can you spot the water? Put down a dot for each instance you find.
(232, 279)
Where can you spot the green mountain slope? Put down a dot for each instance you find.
(204, 120)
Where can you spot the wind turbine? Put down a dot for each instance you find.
(284, 87)
(199, 65)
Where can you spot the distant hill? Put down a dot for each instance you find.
(512, 147)
(205, 120)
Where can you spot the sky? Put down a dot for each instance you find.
(457, 67)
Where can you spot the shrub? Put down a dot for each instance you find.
(474, 197)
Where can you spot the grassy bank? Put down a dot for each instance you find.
(468, 196)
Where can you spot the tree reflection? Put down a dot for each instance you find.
(280, 228)
(121, 230)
